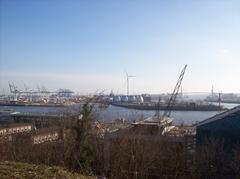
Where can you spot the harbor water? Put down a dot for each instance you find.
(112, 113)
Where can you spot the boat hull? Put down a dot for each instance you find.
(175, 107)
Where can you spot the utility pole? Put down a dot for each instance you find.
(212, 92)
(219, 99)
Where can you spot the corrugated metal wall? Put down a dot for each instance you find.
(227, 129)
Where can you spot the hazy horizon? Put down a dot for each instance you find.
(88, 45)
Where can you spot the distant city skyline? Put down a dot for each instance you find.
(87, 46)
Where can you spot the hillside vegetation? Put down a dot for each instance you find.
(24, 170)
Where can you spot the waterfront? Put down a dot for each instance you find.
(179, 117)
(112, 112)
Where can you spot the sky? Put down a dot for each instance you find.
(87, 46)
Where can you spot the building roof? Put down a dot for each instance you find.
(35, 114)
(219, 116)
(12, 125)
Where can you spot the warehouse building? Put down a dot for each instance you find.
(224, 126)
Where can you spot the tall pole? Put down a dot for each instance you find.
(212, 92)
(128, 77)
(127, 85)
(219, 99)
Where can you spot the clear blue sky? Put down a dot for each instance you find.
(87, 45)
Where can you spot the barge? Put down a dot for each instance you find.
(176, 107)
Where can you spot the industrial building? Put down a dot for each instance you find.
(127, 99)
(38, 120)
(224, 126)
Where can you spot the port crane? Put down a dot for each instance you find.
(162, 124)
(172, 100)
(14, 90)
(16, 93)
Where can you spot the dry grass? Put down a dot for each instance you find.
(24, 170)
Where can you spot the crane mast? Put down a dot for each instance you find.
(172, 100)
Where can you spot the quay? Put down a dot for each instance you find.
(39, 120)
(176, 107)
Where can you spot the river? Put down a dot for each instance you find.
(112, 112)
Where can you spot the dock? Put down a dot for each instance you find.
(39, 120)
